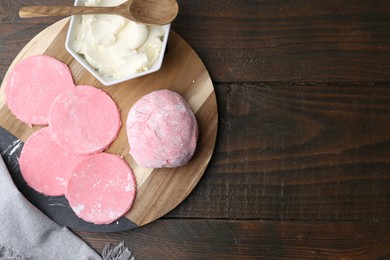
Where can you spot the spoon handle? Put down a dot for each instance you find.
(39, 11)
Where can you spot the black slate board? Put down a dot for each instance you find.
(56, 208)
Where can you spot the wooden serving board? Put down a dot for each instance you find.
(159, 190)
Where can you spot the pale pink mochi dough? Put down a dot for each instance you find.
(32, 86)
(84, 120)
(44, 165)
(101, 188)
(162, 130)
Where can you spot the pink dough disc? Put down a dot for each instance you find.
(32, 86)
(162, 130)
(101, 188)
(84, 120)
(44, 165)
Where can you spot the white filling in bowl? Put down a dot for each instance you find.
(115, 49)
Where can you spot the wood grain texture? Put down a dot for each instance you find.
(220, 239)
(15, 32)
(290, 41)
(158, 190)
(303, 102)
(298, 152)
(149, 12)
(262, 41)
(289, 151)
(67, 10)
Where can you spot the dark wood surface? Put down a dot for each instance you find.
(301, 167)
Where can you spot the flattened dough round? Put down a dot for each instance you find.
(32, 86)
(44, 165)
(84, 120)
(162, 130)
(101, 188)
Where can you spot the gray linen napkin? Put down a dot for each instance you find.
(26, 233)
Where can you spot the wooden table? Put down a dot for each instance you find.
(301, 167)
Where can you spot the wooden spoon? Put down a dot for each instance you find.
(143, 11)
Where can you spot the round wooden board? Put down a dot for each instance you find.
(159, 190)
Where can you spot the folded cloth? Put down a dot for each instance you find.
(27, 233)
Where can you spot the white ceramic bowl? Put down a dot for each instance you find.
(108, 81)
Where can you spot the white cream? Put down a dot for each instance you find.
(115, 46)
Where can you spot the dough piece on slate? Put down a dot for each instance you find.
(84, 120)
(44, 165)
(162, 130)
(101, 188)
(33, 84)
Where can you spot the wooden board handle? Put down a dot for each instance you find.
(40, 11)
